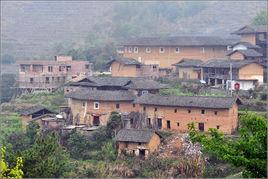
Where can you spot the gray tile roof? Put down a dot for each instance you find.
(247, 44)
(221, 63)
(34, 109)
(125, 61)
(179, 41)
(187, 101)
(134, 135)
(251, 29)
(146, 84)
(101, 95)
(247, 53)
(189, 63)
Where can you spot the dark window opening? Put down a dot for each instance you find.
(96, 121)
(133, 105)
(144, 108)
(203, 111)
(168, 124)
(201, 127)
(84, 104)
(68, 68)
(189, 110)
(149, 121)
(87, 66)
(216, 112)
(155, 109)
(50, 69)
(47, 79)
(31, 80)
(117, 106)
(178, 124)
(159, 123)
(131, 121)
(175, 110)
(218, 127)
(139, 143)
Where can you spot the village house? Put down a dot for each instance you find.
(188, 69)
(176, 112)
(49, 75)
(247, 73)
(170, 50)
(137, 142)
(248, 54)
(35, 113)
(128, 67)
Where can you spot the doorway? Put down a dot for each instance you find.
(201, 127)
(96, 120)
(168, 124)
(142, 153)
(159, 123)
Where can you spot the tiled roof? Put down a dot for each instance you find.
(34, 109)
(221, 63)
(179, 41)
(247, 44)
(134, 135)
(125, 61)
(189, 63)
(124, 82)
(251, 29)
(101, 95)
(247, 53)
(187, 101)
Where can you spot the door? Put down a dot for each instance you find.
(159, 123)
(201, 127)
(96, 120)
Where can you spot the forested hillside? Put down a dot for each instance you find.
(88, 29)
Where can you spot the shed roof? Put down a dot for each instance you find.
(34, 109)
(125, 61)
(221, 63)
(187, 101)
(247, 53)
(189, 63)
(178, 41)
(134, 135)
(251, 29)
(101, 95)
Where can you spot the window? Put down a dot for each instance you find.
(117, 106)
(68, 68)
(96, 105)
(87, 66)
(159, 123)
(202, 50)
(178, 124)
(216, 112)
(50, 69)
(134, 105)
(130, 49)
(154, 66)
(155, 109)
(202, 111)
(136, 49)
(47, 79)
(144, 108)
(139, 143)
(189, 110)
(149, 121)
(138, 66)
(177, 50)
(175, 110)
(148, 50)
(31, 80)
(84, 104)
(161, 50)
(144, 92)
(131, 121)
(218, 127)
(168, 124)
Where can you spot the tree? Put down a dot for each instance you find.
(261, 18)
(114, 124)
(32, 131)
(249, 150)
(46, 158)
(6, 171)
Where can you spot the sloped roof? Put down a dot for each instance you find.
(187, 101)
(251, 29)
(247, 44)
(145, 84)
(101, 95)
(189, 63)
(247, 53)
(34, 109)
(134, 135)
(125, 61)
(221, 63)
(178, 41)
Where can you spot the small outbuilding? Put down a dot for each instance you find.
(138, 142)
